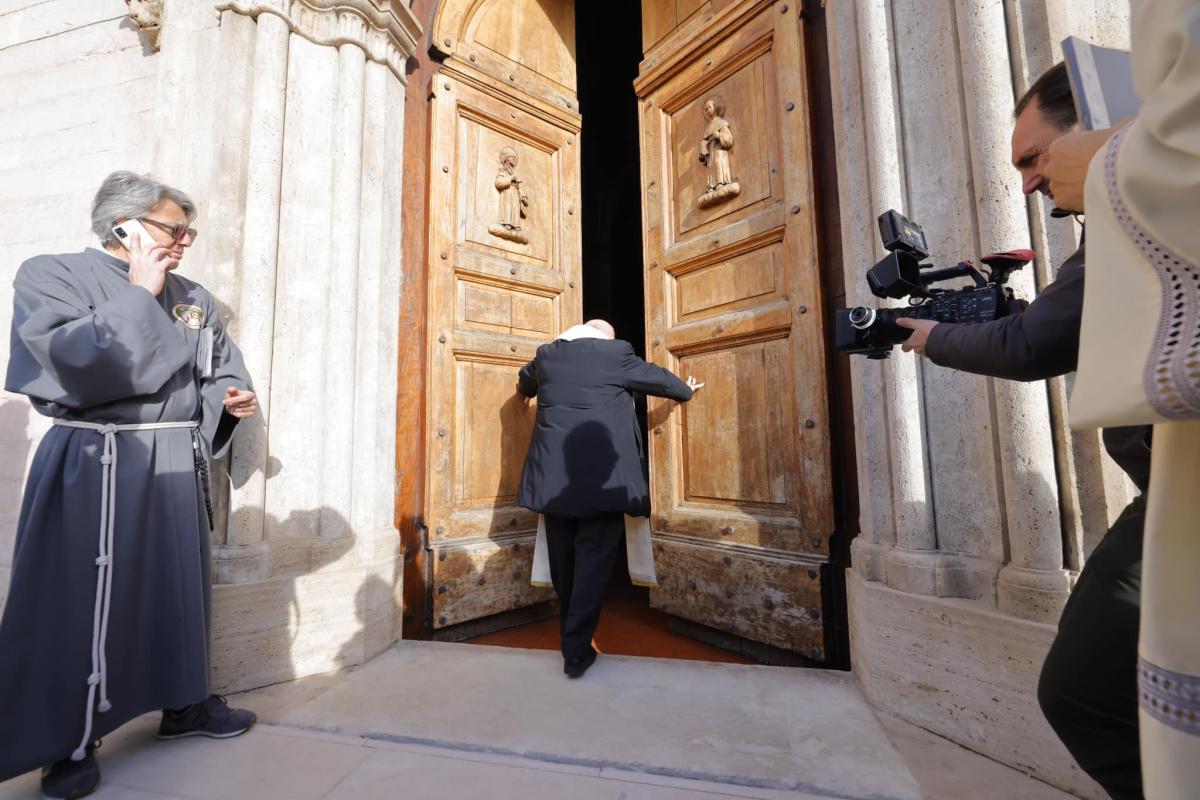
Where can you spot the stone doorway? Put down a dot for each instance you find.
(613, 289)
(738, 515)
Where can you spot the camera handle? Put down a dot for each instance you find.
(959, 270)
(1003, 264)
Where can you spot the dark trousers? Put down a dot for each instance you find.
(1088, 686)
(582, 553)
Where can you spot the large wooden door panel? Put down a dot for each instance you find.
(747, 276)
(742, 90)
(731, 436)
(504, 267)
(740, 475)
(776, 601)
(476, 580)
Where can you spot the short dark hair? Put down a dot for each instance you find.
(1052, 92)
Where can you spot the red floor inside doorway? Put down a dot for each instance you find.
(628, 627)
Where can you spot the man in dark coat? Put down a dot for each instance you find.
(584, 469)
(109, 609)
(1088, 685)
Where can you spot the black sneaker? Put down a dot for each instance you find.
(575, 667)
(212, 718)
(67, 779)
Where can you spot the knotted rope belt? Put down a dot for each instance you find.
(104, 561)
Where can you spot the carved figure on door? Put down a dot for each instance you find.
(715, 154)
(513, 200)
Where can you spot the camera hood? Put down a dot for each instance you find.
(897, 276)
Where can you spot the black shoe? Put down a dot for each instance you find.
(575, 667)
(212, 718)
(67, 779)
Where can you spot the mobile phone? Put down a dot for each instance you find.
(124, 232)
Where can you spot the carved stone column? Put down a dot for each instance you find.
(1034, 584)
(911, 565)
(380, 33)
(246, 555)
(877, 533)
(284, 118)
(340, 351)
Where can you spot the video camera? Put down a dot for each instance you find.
(873, 331)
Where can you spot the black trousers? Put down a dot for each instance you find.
(582, 553)
(1088, 686)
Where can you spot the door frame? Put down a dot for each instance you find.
(410, 430)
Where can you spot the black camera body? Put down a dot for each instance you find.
(901, 274)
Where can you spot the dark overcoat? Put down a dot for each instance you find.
(585, 455)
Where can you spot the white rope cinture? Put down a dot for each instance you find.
(98, 677)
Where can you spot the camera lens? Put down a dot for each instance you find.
(862, 317)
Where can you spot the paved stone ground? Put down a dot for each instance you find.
(733, 724)
(428, 720)
(278, 763)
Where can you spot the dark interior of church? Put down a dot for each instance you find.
(608, 51)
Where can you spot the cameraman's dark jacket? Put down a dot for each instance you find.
(1041, 342)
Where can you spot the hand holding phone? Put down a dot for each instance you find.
(126, 230)
(149, 261)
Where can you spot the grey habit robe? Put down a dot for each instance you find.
(88, 345)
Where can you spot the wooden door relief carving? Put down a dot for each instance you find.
(513, 200)
(504, 274)
(740, 476)
(715, 154)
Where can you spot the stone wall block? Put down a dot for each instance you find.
(963, 672)
(68, 69)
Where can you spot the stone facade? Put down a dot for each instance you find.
(78, 97)
(978, 503)
(282, 118)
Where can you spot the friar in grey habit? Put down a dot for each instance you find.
(109, 607)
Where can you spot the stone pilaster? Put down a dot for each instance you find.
(912, 564)
(872, 440)
(293, 150)
(1034, 584)
(338, 481)
(246, 555)
(901, 401)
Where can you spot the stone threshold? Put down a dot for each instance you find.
(744, 727)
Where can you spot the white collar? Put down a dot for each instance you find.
(581, 332)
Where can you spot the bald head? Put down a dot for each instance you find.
(603, 327)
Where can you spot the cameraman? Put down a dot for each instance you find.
(1088, 685)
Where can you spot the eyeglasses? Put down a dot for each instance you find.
(177, 231)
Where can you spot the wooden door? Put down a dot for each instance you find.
(740, 476)
(504, 272)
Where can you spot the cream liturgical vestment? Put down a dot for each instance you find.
(1139, 362)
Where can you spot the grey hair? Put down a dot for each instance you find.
(127, 195)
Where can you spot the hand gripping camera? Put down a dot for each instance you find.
(873, 331)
